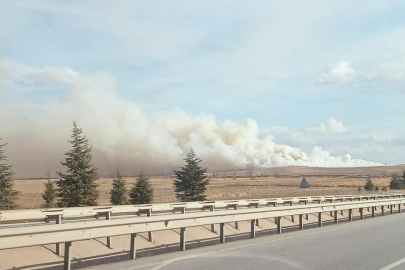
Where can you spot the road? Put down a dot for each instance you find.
(374, 243)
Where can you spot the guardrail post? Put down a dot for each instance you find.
(306, 215)
(182, 239)
(252, 229)
(257, 221)
(382, 210)
(132, 248)
(212, 208)
(58, 246)
(236, 223)
(301, 222)
(399, 208)
(350, 214)
(222, 233)
(279, 225)
(336, 216)
(108, 217)
(373, 211)
(67, 263)
(361, 213)
(320, 219)
(391, 209)
(150, 235)
(292, 216)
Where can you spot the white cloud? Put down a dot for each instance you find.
(393, 72)
(332, 126)
(48, 77)
(339, 73)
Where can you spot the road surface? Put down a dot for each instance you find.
(374, 243)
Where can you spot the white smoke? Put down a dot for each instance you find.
(124, 136)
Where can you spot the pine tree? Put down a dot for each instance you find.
(8, 195)
(77, 186)
(369, 186)
(49, 195)
(397, 182)
(142, 191)
(118, 194)
(191, 181)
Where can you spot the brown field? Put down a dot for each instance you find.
(275, 182)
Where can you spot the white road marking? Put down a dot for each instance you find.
(394, 264)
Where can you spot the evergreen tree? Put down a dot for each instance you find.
(397, 182)
(77, 186)
(8, 195)
(49, 195)
(191, 181)
(369, 186)
(142, 191)
(118, 194)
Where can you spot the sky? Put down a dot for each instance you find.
(273, 83)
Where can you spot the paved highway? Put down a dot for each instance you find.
(374, 243)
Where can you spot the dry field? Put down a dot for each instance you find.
(222, 189)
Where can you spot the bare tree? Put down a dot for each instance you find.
(251, 170)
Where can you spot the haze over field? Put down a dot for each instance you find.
(244, 85)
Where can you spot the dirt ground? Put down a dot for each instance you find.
(221, 188)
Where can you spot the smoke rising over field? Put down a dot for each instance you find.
(124, 136)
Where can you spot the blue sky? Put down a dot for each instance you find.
(290, 64)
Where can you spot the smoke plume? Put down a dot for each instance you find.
(123, 136)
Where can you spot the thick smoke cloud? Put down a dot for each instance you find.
(124, 136)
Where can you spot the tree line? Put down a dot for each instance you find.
(77, 185)
(397, 182)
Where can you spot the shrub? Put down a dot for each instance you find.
(369, 186)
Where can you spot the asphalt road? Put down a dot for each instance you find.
(374, 243)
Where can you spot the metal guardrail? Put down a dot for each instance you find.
(86, 212)
(68, 233)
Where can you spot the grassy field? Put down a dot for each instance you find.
(221, 188)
